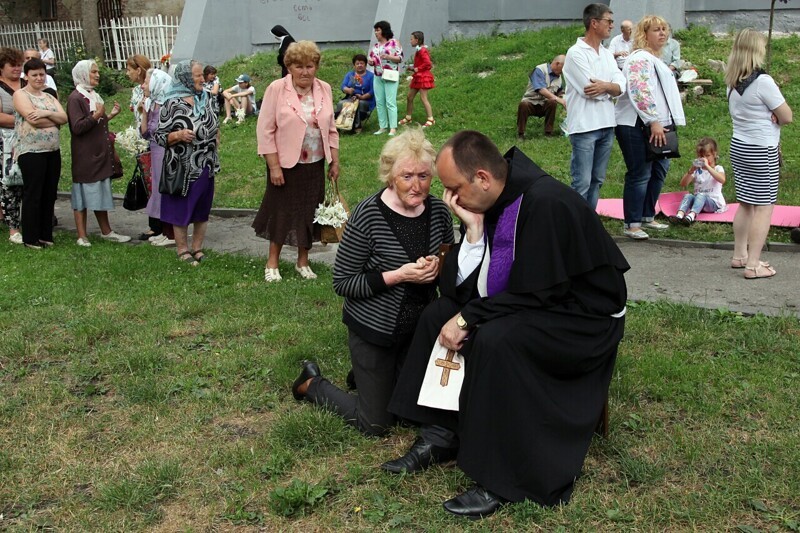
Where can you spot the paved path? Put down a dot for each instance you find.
(695, 273)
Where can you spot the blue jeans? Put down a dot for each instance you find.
(698, 203)
(386, 100)
(643, 180)
(590, 153)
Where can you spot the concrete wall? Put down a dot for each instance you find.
(214, 31)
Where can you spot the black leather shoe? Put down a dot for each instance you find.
(310, 370)
(351, 380)
(420, 456)
(476, 503)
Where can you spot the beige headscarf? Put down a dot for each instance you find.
(80, 75)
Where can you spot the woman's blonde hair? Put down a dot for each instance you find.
(302, 53)
(409, 144)
(641, 29)
(748, 54)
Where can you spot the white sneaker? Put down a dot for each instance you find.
(155, 237)
(164, 241)
(654, 225)
(115, 237)
(380, 132)
(636, 234)
(16, 238)
(83, 242)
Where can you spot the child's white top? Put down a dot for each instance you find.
(705, 183)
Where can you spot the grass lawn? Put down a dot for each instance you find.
(137, 393)
(478, 85)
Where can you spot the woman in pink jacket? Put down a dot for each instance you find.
(296, 135)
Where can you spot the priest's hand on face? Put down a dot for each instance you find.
(473, 222)
(451, 336)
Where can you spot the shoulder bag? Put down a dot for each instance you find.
(175, 180)
(669, 150)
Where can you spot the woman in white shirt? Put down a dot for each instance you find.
(651, 102)
(758, 111)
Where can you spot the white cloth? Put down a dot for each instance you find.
(583, 64)
(619, 44)
(752, 112)
(644, 89)
(705, 183)
(441, 386)
(80, 75)
(46, 56)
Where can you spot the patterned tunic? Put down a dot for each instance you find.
(176, 114)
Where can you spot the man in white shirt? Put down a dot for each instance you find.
(240, 96)
(50, 83)
(593, 78)
(622, 44)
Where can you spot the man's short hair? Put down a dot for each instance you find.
(359, 57)
(474, 151)
(594, 11)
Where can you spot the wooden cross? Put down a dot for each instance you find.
(447, 365)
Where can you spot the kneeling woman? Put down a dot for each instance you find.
(385, 268)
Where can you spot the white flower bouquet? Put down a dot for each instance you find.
(131, 141)
(331, 215)
(241, 114)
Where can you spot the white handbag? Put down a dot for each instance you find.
(391, 75)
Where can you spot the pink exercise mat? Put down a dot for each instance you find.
(787, 216)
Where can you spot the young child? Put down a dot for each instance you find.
(708, 178)
(421, 81)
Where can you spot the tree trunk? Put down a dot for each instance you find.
(91, 28)
(769, 35)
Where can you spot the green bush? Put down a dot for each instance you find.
(110, 79)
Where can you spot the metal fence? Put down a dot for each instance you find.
(62, 35)
(150, 36)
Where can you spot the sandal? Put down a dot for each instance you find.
(305, 272)
(428, 123)
(758, 272)
(272, 274)
(405, 121)
(199, 258)
(741, 262)
(187, 257)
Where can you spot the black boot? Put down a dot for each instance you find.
(310, 370)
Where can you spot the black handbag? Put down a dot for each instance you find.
(669, 150)
(136, 194)
(175, 177)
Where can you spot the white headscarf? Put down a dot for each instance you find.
(160, 82)
(80, 75)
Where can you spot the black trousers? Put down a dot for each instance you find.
(40, 174)
(376, 369)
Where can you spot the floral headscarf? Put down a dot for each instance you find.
(183, 86)
(80, 75)
(160, 83)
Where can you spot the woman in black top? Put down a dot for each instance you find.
(386, 268)
(280, 33)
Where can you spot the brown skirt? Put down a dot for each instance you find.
(286, 214)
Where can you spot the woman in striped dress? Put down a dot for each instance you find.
(758, 110)
(386, 269)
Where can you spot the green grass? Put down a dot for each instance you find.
(463, 99)
(137, 392)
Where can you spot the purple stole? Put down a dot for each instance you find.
(502, 250)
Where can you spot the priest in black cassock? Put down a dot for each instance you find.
(534, 299)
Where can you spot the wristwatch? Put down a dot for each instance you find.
(461, 323)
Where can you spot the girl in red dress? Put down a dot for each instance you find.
(421, 81)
